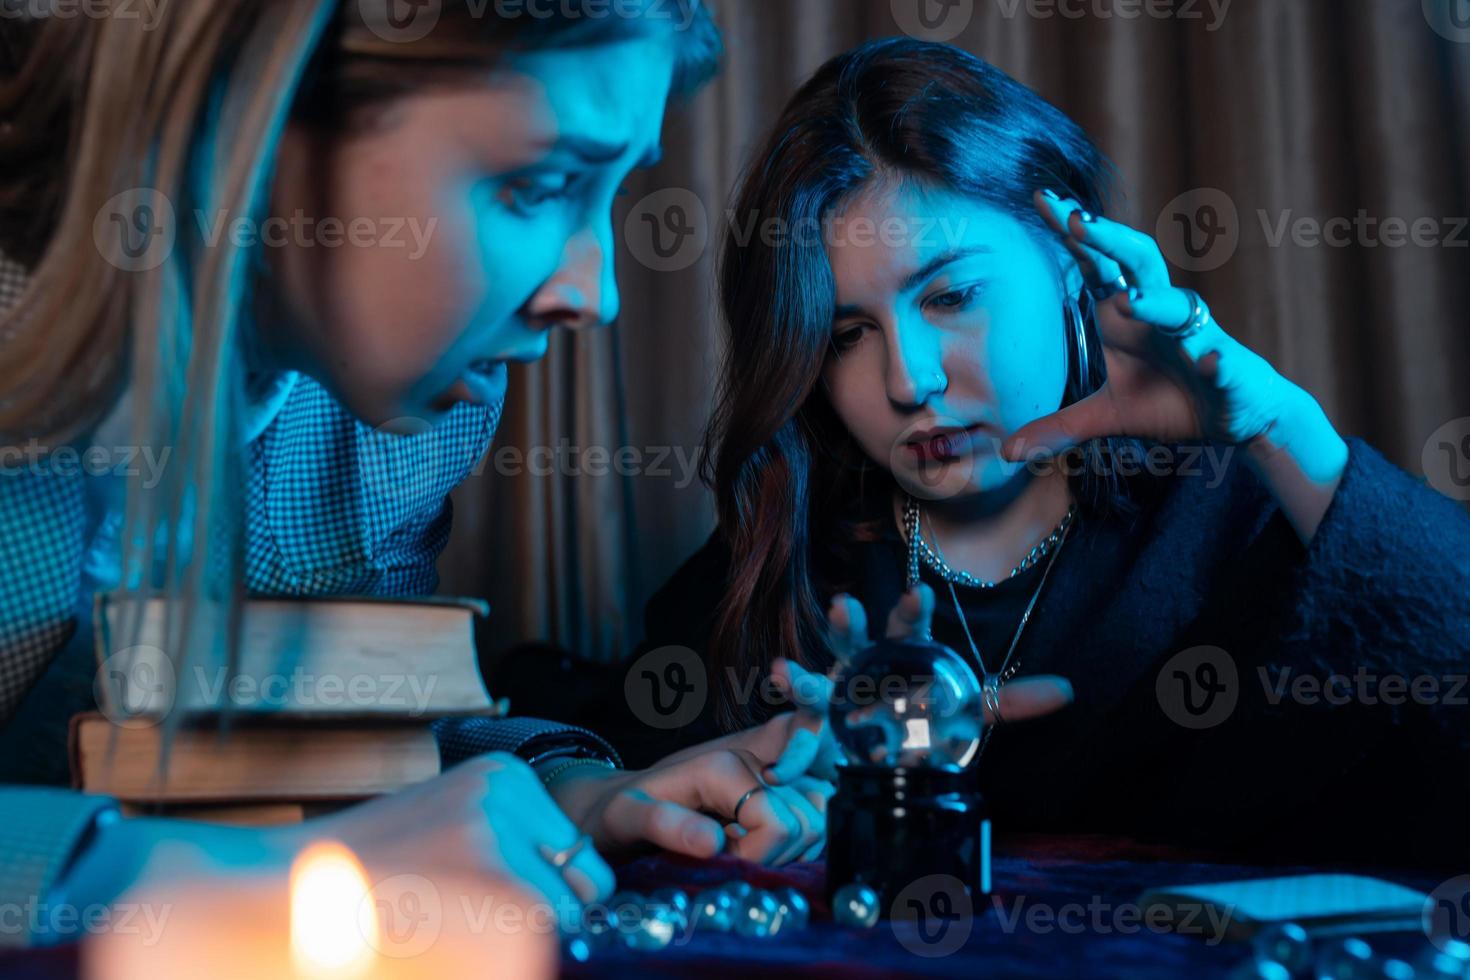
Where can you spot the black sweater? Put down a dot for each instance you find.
(1376, 610)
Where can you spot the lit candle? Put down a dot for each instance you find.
(334, 923)
(327, 920)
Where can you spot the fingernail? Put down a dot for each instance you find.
(1134, 294)
(1086, 217)
(1050, 194)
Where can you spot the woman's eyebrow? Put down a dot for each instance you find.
(915, 278)
(596, 152)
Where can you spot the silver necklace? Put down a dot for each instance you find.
(990, 683)
(920, 550)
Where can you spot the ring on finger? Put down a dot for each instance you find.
(1199, 316)
(1118, 285)
(559, 859)
(735, 817)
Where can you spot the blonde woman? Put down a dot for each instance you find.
(166, 188)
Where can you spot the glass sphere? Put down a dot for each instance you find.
(908, 703)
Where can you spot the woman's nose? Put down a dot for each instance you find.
(582, 293)
(915, 373)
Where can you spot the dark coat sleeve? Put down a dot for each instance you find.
(1350, 656)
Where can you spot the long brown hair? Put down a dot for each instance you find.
(784, 470)
(188, 109)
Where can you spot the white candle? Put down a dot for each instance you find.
(329, 920)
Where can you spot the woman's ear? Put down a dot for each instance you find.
(1068, 271)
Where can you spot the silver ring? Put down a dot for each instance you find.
(560, 859)
(1100, 293)
(1199, 316)
(990, 701)
(735, 817)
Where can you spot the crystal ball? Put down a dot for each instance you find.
(908, 703)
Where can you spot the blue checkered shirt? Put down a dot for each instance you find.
(333, 507)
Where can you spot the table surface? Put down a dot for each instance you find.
(1085, 887)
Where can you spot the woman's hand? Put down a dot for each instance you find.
(799, 744)
(488, 815)
(1203, 386)
(687, 802)
(1165, 385)
(488, 818)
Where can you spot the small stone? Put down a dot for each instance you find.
(855, 906)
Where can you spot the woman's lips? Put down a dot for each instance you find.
(943, 445)
(483, 383)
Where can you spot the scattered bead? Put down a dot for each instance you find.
(1287, 944)
(758, 915)
(855, 906)
(1350, 959)
(713, 910)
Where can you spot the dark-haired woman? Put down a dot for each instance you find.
(975, 393)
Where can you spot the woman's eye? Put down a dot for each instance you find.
(956, 299)
(529, 193)
(846, 339)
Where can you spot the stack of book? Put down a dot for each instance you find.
(329, 703)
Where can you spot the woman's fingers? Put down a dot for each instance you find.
(1031, 697)
(1097, 268)
(635, 816)
(910, 619)
(807, 726)
(1092, 417)
(778, 825)
(848, 627)
(1136, 252)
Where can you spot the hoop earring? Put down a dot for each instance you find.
(1072, 310)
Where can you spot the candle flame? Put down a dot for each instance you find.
(334, 924)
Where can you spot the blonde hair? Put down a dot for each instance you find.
(187, 112)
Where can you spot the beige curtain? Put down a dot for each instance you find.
(1249, 120)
